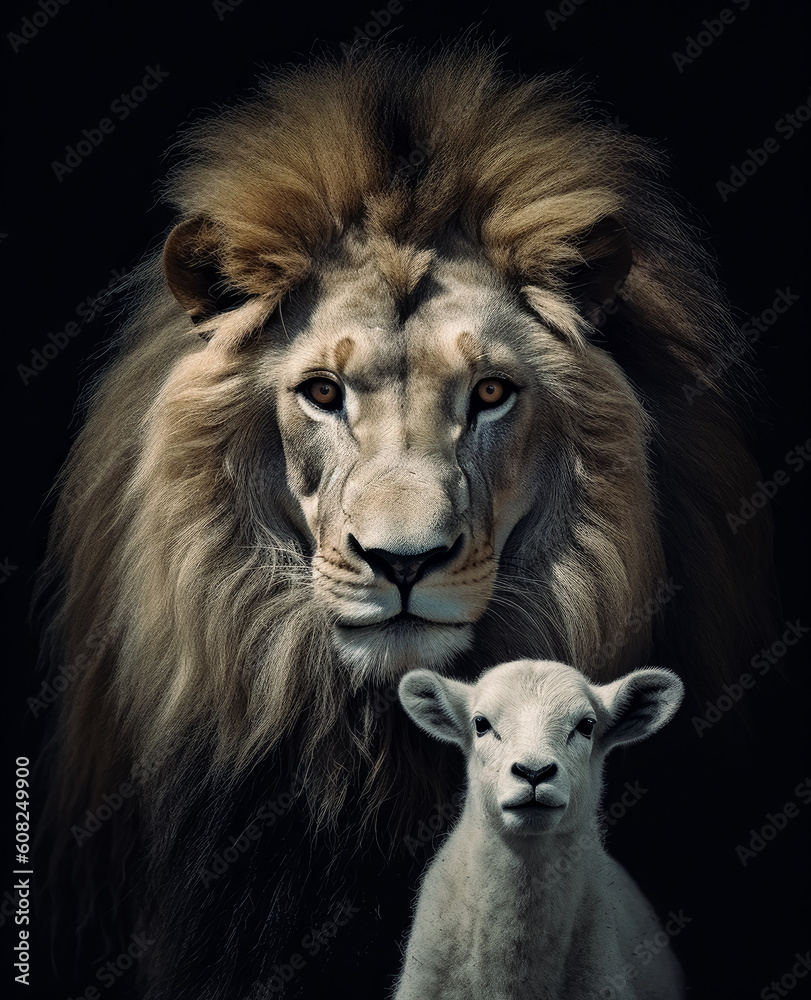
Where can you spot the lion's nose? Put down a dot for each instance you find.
(404, 569)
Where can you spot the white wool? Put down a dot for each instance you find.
(523, 902)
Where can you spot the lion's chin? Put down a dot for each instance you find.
(382, 653)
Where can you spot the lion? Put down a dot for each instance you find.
(411, 384)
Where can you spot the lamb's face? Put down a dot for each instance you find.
(536, 733)
(531, 758)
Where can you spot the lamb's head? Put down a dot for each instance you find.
(535, 734)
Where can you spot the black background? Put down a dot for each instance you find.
(62, 240)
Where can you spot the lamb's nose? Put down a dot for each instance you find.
(534, 777)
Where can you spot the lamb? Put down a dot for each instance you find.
(522, 902)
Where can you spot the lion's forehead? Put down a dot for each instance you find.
(464, 328)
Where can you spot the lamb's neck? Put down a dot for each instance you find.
(544, 878)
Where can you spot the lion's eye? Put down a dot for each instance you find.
(491, 392)
(481, 724)
(586, 727)
(325, 393)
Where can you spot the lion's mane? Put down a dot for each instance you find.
(214, 682)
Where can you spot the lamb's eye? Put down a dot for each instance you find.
(325, 393)
(481, 724)
(491, 392)
(586, 727)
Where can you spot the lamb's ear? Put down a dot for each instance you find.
(437, 704)
(639, 704)
(607, 259)
(193, 271)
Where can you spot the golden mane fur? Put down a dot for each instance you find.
(171, 534)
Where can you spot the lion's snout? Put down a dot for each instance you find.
(405, 569)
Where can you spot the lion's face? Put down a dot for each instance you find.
(412, 451)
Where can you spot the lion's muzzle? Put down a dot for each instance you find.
(405, 569)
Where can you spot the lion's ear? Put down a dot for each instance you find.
(607, 259)
(193, 270)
